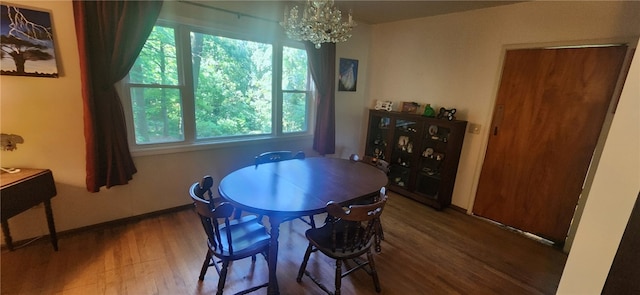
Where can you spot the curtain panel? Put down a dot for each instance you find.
(110, 36)
(322, 63)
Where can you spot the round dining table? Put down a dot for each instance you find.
(296, 188)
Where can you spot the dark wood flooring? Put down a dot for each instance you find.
(425, 252)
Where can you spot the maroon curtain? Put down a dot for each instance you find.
(110, 35)
(322, 63)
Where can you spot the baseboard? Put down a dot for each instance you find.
(111, 223)
(460, 209)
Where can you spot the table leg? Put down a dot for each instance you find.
(7, 234)
(273, 288)
(52, 226)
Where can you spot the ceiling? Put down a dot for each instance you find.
(369, 12)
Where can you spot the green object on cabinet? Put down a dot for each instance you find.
(429, 111)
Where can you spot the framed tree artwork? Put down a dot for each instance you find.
(26, 42)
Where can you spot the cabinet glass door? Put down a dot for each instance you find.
(432, 159)
(403, 153)
(378, 134)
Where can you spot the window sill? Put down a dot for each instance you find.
(209, 145)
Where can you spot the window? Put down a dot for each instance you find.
(156, 99)
(193, 86)
(232, 85)
(295, 85)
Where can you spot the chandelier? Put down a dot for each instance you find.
(321, 22)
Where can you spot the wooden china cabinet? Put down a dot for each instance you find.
(423, 154)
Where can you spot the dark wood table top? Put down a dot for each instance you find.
(300, 187)
(7, 179)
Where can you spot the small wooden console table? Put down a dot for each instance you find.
(23, 190)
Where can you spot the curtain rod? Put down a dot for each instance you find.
(239, 14)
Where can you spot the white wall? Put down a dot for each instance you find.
(352, 107)
(611, 199)
(455, 61)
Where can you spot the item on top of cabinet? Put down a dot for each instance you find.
(384, 105)
(448, 114)
(429, 111)
(410, 107)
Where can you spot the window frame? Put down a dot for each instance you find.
(182, 32)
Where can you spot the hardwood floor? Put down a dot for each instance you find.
(424, 252)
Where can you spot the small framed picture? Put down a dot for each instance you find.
(348, 76)
(410, 107)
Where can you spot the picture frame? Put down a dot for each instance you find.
(348, 75)
(410, 107)
(27, 42)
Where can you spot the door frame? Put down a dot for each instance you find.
(632, 43)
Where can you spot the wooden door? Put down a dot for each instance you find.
(549, 112)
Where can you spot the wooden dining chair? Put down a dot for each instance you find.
(375, 162)
(379, 233)
(227, 239)
(203, 190)
(277, 156)
(345, 237)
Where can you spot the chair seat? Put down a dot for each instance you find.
(247, 235)
(244, 219)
